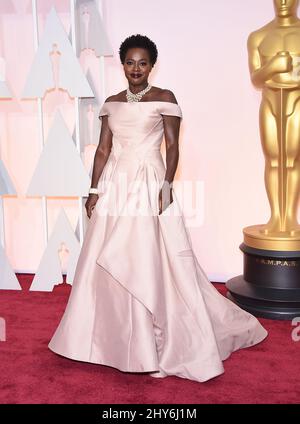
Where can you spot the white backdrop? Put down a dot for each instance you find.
(203, 60)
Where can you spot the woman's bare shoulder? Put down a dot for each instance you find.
(119, 97)
(164, 95)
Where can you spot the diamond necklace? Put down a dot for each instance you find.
(136, 97)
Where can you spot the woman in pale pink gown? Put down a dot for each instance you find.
(140, 301)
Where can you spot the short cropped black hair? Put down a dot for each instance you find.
(140, 41)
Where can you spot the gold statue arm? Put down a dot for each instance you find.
(260, 73)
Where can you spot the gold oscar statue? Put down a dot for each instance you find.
(274, 62)
(270, 285)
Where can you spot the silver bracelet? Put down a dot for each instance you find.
(93, 191)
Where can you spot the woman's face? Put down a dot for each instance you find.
(137, 66)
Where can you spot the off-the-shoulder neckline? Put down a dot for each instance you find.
(151, 101)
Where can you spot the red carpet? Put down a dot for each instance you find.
(31, 373)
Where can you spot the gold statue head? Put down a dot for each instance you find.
(286, 8)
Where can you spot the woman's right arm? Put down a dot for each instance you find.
(101, 156)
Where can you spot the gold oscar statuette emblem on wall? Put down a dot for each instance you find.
(274, 63)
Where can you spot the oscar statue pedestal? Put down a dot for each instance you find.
(270, 284)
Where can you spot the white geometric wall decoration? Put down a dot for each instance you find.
(91, 31)
(61, 254)
(91, 80)
(55, 65)
(6, 184)
(60, 171)
(5, 92)
(8, 279)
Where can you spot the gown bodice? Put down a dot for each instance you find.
(137, 127)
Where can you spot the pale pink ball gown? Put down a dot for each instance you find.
(140, 301)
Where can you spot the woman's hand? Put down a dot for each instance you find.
(165, 197)
(91, 203)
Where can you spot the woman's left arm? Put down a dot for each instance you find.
(171, 133)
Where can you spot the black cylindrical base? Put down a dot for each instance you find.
(270, 286)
